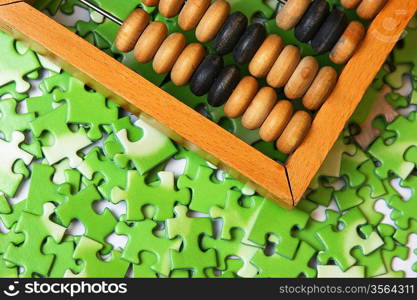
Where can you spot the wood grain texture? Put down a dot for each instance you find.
(353, 82)
(134, 93)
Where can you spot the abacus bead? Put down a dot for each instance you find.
(284, 66)
(349, 4)
(320, 89)
(212, 21)
(131, 30)
(368, 9)
(168, 53)
(294, 133)
(291, 13)
(348, 43)
(241, 97)
(223, 86)
(266, 56)
(206, 72)
(150, 3)
(230, 33)
(259, 108)
(150, 41)
(276, 121)
(302, 78)
(249, 43)
(191, 13)
(187, 63)
(170, 8)
(330, 32)
(312, 20)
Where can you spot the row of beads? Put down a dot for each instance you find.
(325, 30)
(312, 21)
(172, 54)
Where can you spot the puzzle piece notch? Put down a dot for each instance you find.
(141, 238)
(80, 206)
(162, 196)
(10, 153)
(146, 153)
(35, 229)
(190, 230)
(93, 266)
(338, 244)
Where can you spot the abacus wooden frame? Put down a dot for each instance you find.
(284, 184)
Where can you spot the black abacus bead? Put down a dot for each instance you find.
(224, 85)
(230, 33)
(312, 20)
(206, 73)
(249, 43)
(330, 32)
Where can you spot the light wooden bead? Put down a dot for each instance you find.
(291, 13)
(266, 56)
(150, 3)
(368, 9)
(212, 21)
(276, 121)
(191, 13)
(170, 8)
(150, 41)
(259, 108)
(349, 4)
(302, 78)
(241, 97)
(295, 132)
(320, 89)
(187, 63)
(168, 53)
(131, 30)
(284, 67)
(348, 43)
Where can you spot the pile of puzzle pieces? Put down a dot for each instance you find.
(87, 190)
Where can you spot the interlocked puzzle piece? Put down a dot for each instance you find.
(338, 244)
(233, 266)
(144, 270)
(35, 229)
(235, 215)
(388, 155)
(80, 206)
(405, 210)
(280, 266)
(190, 230)
(63, 256)
(152, 149)
(280, 230)
(162, 195)
(66, 143)
(232, 248)
(10, 153)
(95, 112)
(37, 197)
(192, 161)
(15, 66)
(96, 164)
(142, 238)
(308, 234)
(10, 120)
(88, 251)
(207, 191)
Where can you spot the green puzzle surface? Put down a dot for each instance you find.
(76, 158)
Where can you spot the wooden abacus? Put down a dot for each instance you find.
(308, 141)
